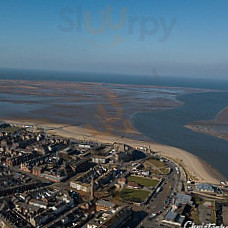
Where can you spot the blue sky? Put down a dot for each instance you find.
(169, 37)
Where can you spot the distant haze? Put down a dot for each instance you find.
(151, 37)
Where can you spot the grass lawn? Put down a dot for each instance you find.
(10, 129)
(213, 213)
(156, 166)
(164, 170)
(156, 163)
(133, 195)
(146, 182)
(195, 216)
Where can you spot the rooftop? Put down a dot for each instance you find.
(183, 199)
(105, 203)
(205, 186)
(171, 216)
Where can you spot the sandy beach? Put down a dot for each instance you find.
(98, 112)
(196, 168)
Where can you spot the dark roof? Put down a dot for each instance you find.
(171, 216)
(105, 203)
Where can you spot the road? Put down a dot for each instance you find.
(159, 200)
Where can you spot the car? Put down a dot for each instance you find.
(152, 216)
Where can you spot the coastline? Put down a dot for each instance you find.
(169, 128)
(195, 167)
(210, 126)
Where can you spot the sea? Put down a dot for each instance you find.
(166, 126)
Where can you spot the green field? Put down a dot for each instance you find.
(156, 163)
(10, 129)
(145, 182)
(133, 195)
(157, 167)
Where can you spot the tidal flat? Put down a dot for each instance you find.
(100, 106)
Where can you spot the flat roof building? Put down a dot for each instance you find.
(173, 218)
(205, 187)
(183, 199)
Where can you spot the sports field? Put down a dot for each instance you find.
(134, 195)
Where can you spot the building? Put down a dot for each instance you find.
(111, 220)
(92, 195)
(146, 173)
(120, 147)
(119, 218)
(103, 205)
(183, 199)
(55, 177)
(38, 203)
(205, 187)
(36, 171)
(25, 167)
(173, 218)
(84, 187)
(3, 124)
(85, 146)
(122, 181)
(41, 219)
(102, 175)
(10, 219)
(99, 159)
(80, 165)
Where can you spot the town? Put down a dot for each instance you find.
(50, 181)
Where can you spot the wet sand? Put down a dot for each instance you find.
(98, 112)
(107, 107)
(222, 116)
(217, 127)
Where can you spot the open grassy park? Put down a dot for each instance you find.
(134, 195)
(10, 129)
(156, 163)
(156, 166)
(145, 182)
